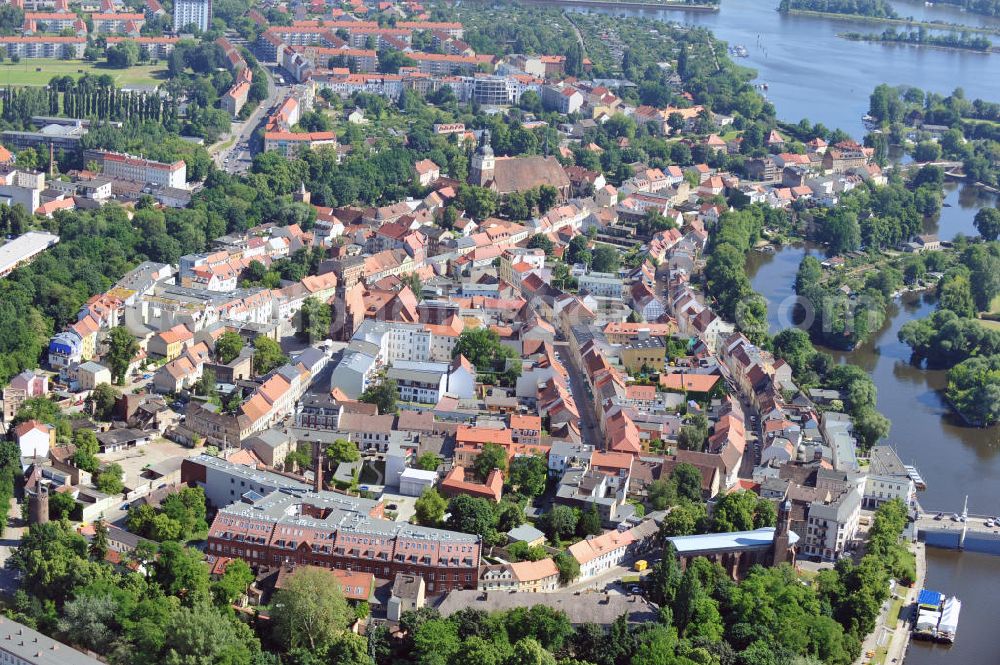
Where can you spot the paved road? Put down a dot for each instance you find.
(236, 157)
(581, 395)
(611, 575)
(8, 543)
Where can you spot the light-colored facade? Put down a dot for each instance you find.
(192, 12)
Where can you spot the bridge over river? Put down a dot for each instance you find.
(958, 530)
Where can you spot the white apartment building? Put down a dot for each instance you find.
(187, 12)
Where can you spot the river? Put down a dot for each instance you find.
(811, 73)
(954, 460)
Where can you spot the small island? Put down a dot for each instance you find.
(921, 37)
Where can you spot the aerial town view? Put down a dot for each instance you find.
(499, 332)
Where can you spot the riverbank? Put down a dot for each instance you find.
(879, 39)
(877, 20)
(627, 4)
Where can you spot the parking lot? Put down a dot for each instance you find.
(134, 460)
(405, 505)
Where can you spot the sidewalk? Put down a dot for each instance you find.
(895, 638)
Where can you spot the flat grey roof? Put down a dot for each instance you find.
(30, 646)
(24, 247)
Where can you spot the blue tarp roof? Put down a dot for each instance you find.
(929, 598)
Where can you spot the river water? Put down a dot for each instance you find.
(811, 73)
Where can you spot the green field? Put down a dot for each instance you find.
(40, 72)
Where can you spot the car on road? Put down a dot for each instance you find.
(939, 516)
(124, 506)
(635, 589)
(955, 517)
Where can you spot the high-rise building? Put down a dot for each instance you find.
(197, 12)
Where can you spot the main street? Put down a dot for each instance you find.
(236, 156)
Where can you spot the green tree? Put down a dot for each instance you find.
(683, 520)
(267, 355)
(382, 394)
(569, 567)
(542, 242)
(590, 522)
(956, 295)
(578, 251)
(559, 522)
(342, 450)
(349, 649)
(87, 448)
(430, 507)
(228, 346)
(470, 514)
(181, 572)
(102, 400)
(482, 348)
(742, 511)
(428, 461)
(662, 582)
(529, 652)
(61, 505)
(201, 635)
(122, 348)
(661, 493)
(435, 642)
(528, 474)
(605, 259)
(314, 320)
(687, 480)
(99, 544)
(110, 479)
(492, 456)
(234, 581)
(987, 222)
(309, 611)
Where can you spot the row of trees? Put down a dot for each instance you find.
(874, 8)
(735, 234)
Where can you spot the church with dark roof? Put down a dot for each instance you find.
(506, 175)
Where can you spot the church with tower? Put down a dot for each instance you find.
(506, 175)
(738, 551)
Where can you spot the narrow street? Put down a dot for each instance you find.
(581, 395)
(10, 541)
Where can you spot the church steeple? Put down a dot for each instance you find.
(781, 538)
(483, 162)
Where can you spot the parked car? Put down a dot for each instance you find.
(939, 516)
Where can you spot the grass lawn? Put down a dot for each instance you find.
(41, 71)
(894, 609)
(990, 324)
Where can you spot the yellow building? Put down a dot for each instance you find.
(650, 353)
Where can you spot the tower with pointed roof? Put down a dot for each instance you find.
(483, 162)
